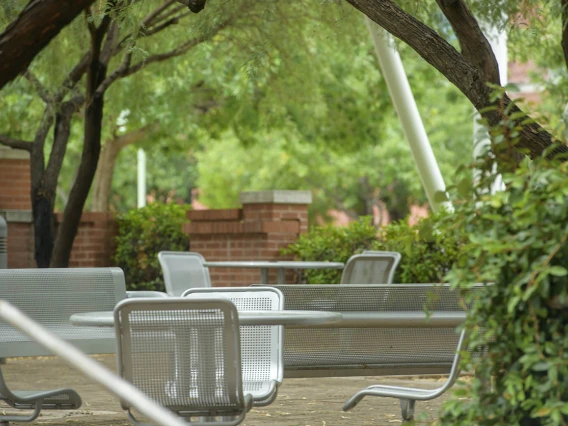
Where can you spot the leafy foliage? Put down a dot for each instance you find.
(427, 253)
(517, 248)
(334, 244)
(142, 234)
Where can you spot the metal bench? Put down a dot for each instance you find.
(50, 297)
(385, 330)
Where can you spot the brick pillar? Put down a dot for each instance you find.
(267, 222)
(94, 244)
(16, 205)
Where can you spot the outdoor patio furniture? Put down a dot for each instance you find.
(408, 396)
(261, 346)
(185, 354)
(183, 270)
(371, 267)
(56, 399)
(85, 365)
(385, 330)
(50, 297)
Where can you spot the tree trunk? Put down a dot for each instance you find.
(107, 162)
(37, 24)
(90, 156)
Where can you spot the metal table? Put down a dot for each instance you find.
(287, 318)
(280, 265)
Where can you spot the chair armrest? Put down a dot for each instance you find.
(145, 293)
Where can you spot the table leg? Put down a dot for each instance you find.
(281, 276)
(264, 276)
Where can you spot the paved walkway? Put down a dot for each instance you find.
(301, 402)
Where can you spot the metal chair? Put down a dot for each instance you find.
(261, 346)
(371, 267)
(409, 396)
(184, 354)
(56, 399)
(183, 270)
(85, 365)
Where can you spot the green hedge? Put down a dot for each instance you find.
(142, 234)
(427, 253)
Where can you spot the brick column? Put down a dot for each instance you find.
(267, 222)
(16, 205)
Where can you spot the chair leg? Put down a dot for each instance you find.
(407, 409)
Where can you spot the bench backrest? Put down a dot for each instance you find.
(51, 296)
(370, 351)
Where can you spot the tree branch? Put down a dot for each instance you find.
(195, 6)
(61, 135)
(164, 25)
(39, 88)
(474, 46)
(126, 69)
(156, 12)
(16, 143)
(31, 31)
(564, 4)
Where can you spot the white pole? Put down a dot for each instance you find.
(141, 178)
(405, 105)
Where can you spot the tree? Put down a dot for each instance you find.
(109, 38)
(31, 31)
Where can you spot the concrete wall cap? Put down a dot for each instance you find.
(13, 154)
(277, 196)
(24, 216)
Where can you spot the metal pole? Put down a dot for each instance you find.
(89, 367)
(141, 178)
(403, 100)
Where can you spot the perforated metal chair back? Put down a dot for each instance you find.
(183, 270)
(370, 268)
(184, 354)
(261, 346)
(50, 296)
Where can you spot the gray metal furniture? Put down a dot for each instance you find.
(408, 396)
(184, 354)
(261, 346)
(371, 267)
(55, 399)
(183, 270)
(85, 365)
(50, 297)
(384, 331)
(300, 319)
(279, 265)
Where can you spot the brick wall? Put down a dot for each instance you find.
(16, 205)
(267, 222)
(94, 243)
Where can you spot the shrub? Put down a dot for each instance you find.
(142, 234)
(333, 244)
(427, 253)
(518, 243)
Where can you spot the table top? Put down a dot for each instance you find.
(287, 318)
(277, 264)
